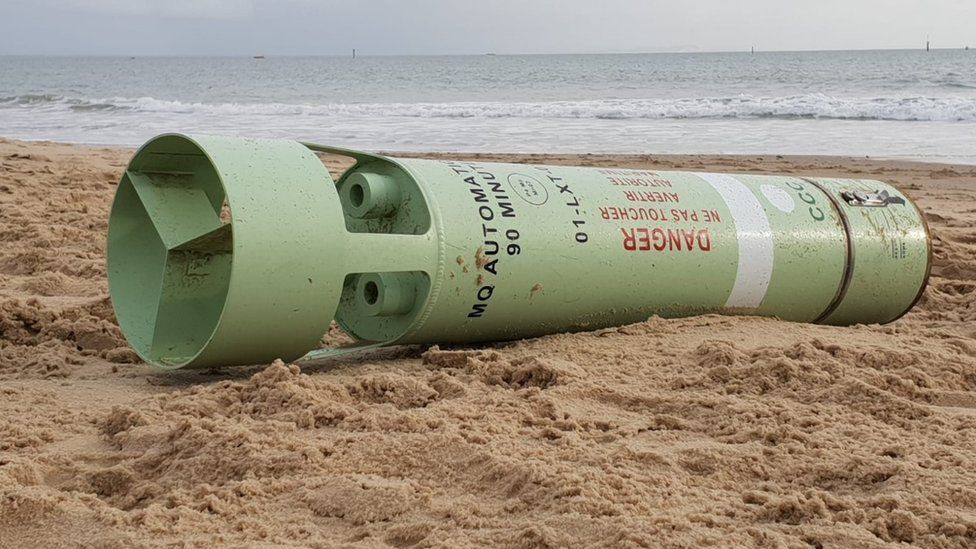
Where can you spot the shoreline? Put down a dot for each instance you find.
(668, 159)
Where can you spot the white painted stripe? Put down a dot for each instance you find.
(755, 238)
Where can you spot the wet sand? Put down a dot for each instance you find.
(709, 430)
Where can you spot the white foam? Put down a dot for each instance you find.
(809, 106)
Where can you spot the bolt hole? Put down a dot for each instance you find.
(357, 195)
(371, 292)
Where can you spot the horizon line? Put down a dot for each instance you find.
(359, 53)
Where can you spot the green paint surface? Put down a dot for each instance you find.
(236, 251)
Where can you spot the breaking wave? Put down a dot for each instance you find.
(808, 106)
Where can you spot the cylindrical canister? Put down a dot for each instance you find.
(404, 250)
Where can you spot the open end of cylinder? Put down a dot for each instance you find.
(223, 251)
(170, 251)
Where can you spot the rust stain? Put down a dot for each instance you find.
(480, 259)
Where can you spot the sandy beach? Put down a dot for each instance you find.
(729, 431)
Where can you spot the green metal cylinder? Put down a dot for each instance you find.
(410, 250)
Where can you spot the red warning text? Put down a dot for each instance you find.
(651, 196)
(657, 239)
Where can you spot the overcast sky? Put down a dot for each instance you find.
(306, 27)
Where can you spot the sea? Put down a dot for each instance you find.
(903, 104)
